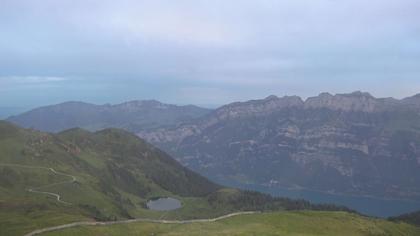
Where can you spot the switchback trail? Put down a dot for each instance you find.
(35, 189)
(95, 223)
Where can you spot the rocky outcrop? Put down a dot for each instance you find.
(356, 101)
(258, 107)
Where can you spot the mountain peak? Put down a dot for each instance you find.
(271, 97)
(133, 115)
(413, 101)
(136, 105)
(325, 95)
(355, 101)
(359, 94)
(269, 104)
(140, 103)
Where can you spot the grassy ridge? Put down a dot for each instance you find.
(116, 174)
(282, 223)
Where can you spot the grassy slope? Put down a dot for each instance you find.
(282, 223)
(116, 174)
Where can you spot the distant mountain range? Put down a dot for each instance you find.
(133, 116)
(344, 143)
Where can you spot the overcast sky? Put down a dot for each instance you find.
(205, 52)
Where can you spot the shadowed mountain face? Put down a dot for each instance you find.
(133, 116)
(345, 143)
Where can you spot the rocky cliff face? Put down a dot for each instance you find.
(348, 143)
(356, 101)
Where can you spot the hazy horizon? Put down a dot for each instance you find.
(7, 111)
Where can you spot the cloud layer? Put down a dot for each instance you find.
(206, 51)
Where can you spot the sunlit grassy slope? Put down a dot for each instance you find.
(281, 223)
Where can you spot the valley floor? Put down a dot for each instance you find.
(296, 223)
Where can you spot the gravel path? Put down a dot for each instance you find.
(36, 189)
(95, 223)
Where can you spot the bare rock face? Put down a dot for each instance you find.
(258, 107)
(347, 143)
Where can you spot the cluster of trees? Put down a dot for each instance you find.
(411, 218)
(245, 200)
(94, 212)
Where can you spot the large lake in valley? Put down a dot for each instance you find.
(164, 204)
(366, 205)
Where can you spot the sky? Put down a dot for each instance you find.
(205, 52)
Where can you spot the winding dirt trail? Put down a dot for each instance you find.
(95, 223)
(36, 189)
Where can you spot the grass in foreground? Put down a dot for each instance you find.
(297, 223)
(23, 221)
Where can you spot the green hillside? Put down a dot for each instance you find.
(51, 179)
(116, 173)
(283, 223)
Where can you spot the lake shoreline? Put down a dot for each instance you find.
(367, 205)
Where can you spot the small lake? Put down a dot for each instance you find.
(365, 205)
(164, 204)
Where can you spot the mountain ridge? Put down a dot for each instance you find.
(342, 139)
(345, 143)
(342, 101)
(132, 115)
